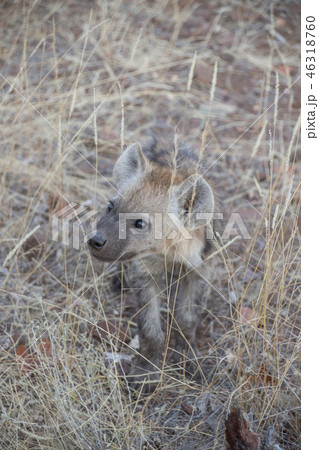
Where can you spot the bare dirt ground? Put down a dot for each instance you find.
(78, 80)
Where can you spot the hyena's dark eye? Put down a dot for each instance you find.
(140, 224)
(110, 206)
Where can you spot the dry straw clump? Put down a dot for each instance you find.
(79, 80)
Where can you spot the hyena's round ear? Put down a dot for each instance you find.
(130, 164)
(195, 201)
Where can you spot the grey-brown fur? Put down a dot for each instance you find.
(158, 179)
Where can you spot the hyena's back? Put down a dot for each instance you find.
(175, 155)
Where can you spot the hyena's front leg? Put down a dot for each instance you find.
(190, 301)
(146, 366)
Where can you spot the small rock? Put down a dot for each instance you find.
(187, 408)
(237, 432)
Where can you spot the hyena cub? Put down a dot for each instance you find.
(160, 221)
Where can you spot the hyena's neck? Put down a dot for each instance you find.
(187, 251)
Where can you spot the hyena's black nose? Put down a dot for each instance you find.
(97, 241)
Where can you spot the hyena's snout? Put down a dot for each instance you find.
(98, 241)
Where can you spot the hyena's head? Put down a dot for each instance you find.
(155, 211)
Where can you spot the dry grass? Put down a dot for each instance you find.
(61, 104)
